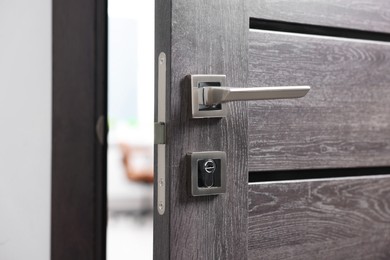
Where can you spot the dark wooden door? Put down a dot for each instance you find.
(306, 178)
(79, 129)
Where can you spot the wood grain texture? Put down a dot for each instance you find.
(369, 15)
(205, 42)
(79, 208)
(344, 121)
(336, 219)
(161, 223)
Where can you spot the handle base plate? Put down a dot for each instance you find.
(199, 110)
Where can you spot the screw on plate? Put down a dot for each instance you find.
(160, 205)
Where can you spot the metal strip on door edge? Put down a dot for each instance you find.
(159, 132)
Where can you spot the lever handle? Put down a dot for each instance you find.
(218, 95)
(209, 93)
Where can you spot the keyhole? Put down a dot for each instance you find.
(209, 166)
(207, 170)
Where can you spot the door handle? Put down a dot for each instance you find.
(217, 95)
(209, 93)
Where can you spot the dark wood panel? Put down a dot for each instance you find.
(203, 42)
(344, 121)
(335, 219)
(161, 223)
(78, 220)
(370, 15)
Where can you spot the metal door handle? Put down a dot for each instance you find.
(217, 95)
(209, 93)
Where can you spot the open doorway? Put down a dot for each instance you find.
(130, 138)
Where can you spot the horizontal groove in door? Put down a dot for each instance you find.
(337, 219)
(282, 26)
(367, 15)
(343, 122)
(273, 176)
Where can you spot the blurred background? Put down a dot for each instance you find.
(130, 141)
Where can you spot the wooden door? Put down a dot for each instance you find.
(79, 148)
(306, 178)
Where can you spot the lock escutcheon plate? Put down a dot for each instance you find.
(214, 174)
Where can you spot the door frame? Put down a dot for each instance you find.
(79, 129)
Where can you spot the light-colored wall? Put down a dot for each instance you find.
(25, 129)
